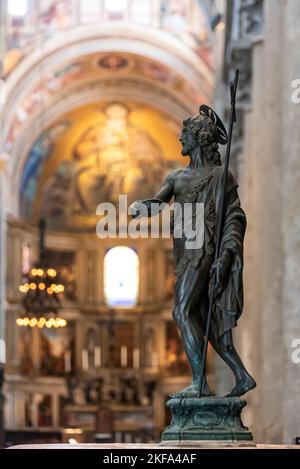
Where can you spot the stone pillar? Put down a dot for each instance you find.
(270, 196)
(262, 322)
(290, 228)
(3, 209)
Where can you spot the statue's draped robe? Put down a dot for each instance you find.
(229, 304)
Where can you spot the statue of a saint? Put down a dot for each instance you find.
(200, 182)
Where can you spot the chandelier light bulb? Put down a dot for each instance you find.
(41, 280)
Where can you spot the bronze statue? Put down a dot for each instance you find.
(201, 181)
(2, 439)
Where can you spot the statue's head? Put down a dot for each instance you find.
(201, 132)
(205, 132)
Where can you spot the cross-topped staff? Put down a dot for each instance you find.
(232, 119)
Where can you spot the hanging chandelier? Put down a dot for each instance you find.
(41, 288)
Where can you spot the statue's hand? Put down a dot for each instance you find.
(219, 272)
(146, 208)
(136, 210)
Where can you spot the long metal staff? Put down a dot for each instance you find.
(232, 119)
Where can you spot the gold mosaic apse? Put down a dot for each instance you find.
(93, 155)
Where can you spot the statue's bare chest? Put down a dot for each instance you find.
(189, 179)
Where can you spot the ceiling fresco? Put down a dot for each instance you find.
(183, 19)
(94, 68)
(92, 155)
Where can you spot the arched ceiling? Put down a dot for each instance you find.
(94, 154)
(101, 71)
(128, 64)
(34, 22)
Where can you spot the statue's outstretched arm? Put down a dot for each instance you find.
(151, 207)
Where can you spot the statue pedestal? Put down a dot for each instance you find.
(206, 419)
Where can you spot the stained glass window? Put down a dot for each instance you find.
(18, 8)
(121, 276)
(115, 5)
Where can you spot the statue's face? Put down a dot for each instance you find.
(187, 141)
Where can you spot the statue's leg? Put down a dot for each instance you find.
(227, 351)
(189, 288)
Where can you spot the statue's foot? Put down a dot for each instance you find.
(192, 391)
(242, 387)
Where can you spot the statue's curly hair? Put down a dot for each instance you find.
(205, 133)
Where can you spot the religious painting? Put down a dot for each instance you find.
(57, 350)
(120, 344)
(98, 152)
(32, 170)
(38, 410)
(131, 65)
(55, 15)
(159, 72)
(45, 411)
(113, 62)
(39, 95)
(65, 76)
(25, 350)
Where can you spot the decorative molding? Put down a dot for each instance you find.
(206, 419)
(142, 92)
(81, 42)
(251, 18)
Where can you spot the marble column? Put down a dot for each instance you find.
(3, 209)
(290, 194)
(271, 198)
(3, 188)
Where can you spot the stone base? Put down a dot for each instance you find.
(208, 444)
(206, 419)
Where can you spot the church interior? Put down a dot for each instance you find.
(93, 95)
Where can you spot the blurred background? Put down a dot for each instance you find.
(92, 97)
